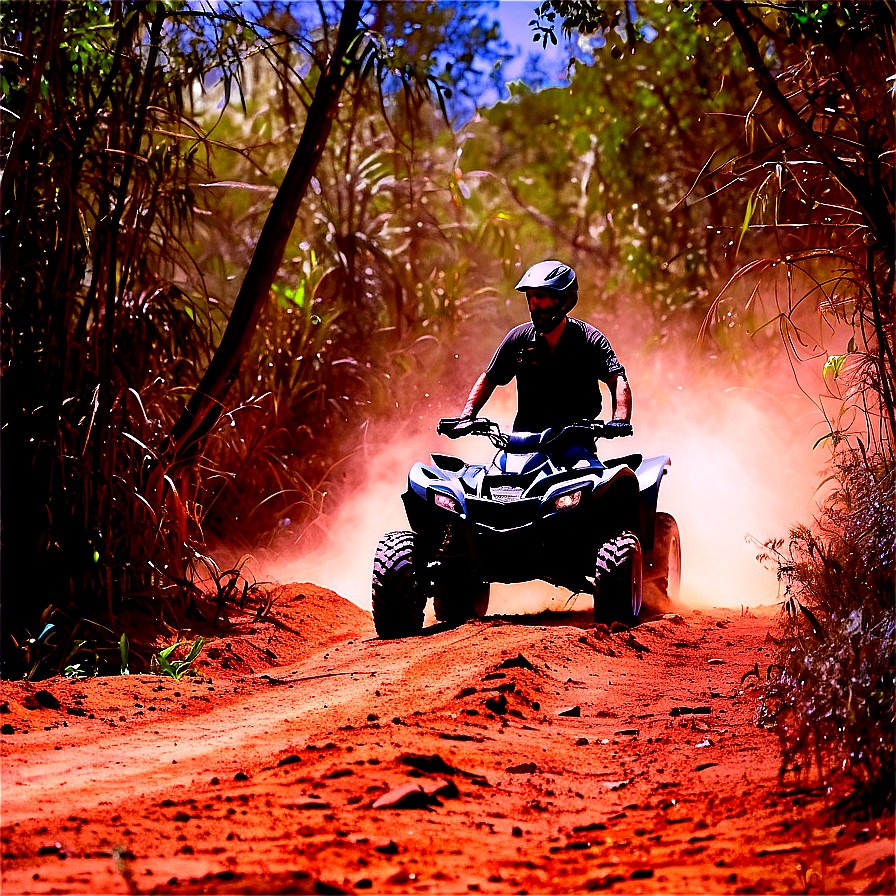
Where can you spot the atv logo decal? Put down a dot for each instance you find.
(504, 494)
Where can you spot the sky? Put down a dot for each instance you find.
(514, 17)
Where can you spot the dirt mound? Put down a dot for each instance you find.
(501, 756)
(302, 618)
(294, 621)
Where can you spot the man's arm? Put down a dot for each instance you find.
(621, 393)
(479, 395)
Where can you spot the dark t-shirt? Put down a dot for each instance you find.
(554, 388)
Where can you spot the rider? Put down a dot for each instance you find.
(555, 360)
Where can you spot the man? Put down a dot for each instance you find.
(556, 360)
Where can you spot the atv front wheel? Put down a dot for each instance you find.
(618, 580)
(398, 602)
(462, 601)
(662, 567)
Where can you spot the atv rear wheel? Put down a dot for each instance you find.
(462, 601)
(662, 567)
(618, 580)
(398, 601)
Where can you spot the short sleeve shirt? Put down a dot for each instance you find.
(555, 388)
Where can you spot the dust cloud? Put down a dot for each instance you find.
(742, 468)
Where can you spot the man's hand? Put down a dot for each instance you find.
(455, 427)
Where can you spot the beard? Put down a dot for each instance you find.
(544, 320)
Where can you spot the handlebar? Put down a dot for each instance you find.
(457, 427)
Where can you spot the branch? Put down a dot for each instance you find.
(206, 404)
(878, 220)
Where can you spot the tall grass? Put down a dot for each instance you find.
(107, 323)
(831, 697)
(114, 299)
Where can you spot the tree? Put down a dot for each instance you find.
(205, 406)
(820, 167)
(818, 160)
(108, 321)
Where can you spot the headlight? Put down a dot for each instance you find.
(564, 502)
(445, 502)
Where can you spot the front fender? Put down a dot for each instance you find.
(650, 474)
(617, 491)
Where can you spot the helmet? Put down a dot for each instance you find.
(553, 277)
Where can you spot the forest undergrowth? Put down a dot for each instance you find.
(712, 170)
(830, 695)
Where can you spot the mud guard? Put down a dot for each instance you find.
(650, 473)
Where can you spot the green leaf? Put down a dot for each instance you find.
(164, 654)
(834, 365)
(165, 667)
(198, 644)
(836, 436)
(124, 651)
(748, 217)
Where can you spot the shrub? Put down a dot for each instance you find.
(832, 699)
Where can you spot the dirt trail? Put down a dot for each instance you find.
(504, 756)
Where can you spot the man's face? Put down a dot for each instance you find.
(545, 309)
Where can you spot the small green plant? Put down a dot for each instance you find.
(167, 664)
(124, 651)
(81, 648)
(96, 652)
(36, 648)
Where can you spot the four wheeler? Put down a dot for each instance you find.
(545, 508)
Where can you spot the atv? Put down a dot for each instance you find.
(545, 508)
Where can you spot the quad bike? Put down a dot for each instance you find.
(545, 508)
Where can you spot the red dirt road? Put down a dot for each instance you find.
(507, 755)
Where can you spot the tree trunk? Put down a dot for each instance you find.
(204, 409)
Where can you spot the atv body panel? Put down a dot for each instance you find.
(529, 514)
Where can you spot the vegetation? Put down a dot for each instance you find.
(818, 169)
(235, 235)
(618, 162)
(836, 692)
(831, 695)
(120, 349)
(167, 663)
